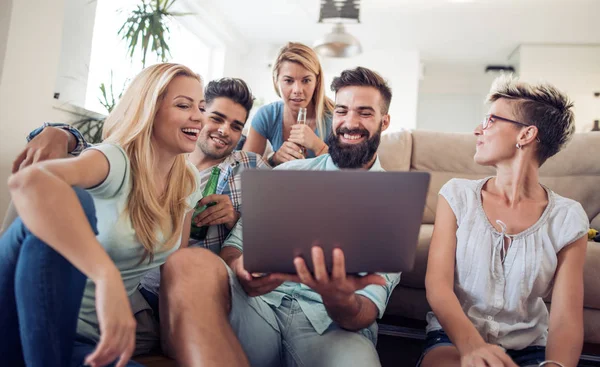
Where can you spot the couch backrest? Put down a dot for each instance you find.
(395, 150)
(573, 173)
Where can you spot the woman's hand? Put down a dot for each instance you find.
(487, 355)
(303, 135)
(288, 152)
(117, 324)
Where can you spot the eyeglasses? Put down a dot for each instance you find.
(489, 117)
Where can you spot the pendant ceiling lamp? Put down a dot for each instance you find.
(339, 43)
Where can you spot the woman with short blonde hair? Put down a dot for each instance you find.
(503, 243)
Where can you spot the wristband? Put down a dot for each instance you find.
(548, 362)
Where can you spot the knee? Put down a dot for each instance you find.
(354, 349)
(87, 203)
(192, 270)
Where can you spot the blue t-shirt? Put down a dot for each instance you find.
(268, 122)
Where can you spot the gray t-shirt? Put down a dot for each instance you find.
(151, 281)
(116, 234)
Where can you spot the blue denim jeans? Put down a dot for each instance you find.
(40, 297)
(283, 336)
(529, 356)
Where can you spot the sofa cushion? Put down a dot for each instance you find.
(408, 302)
(444, 156)
(395, 150)
(416, 277)
(591, 276)
(573, 173)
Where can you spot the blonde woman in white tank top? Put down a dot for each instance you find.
(503, 243)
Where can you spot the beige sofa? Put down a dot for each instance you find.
(573, 173)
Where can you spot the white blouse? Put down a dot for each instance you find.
(503, 299)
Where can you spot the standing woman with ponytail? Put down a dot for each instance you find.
(298, 80)
(90, 227)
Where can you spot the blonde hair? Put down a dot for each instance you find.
(541, 105)
(305, 56)
(130, 126)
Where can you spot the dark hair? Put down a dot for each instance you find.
(363, 77)
(541, 105)
(233, 88)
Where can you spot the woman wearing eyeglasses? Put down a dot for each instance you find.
(502, 243)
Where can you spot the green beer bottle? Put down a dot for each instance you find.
(199, 233)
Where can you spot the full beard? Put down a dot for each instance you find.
(353, 155)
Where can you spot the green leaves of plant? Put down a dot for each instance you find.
(146, 29)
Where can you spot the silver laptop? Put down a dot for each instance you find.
(374, 217)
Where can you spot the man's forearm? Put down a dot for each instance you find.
(358, 313)
(72, 141)
(228, 254)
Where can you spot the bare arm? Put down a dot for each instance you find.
(565, 336)
(439, 282)
(255, 142)
(350, 310)
(229, 254)
(51, 143)
(357, 313)
(70, 233)
(253, 285)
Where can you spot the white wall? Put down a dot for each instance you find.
(5, 11)
(573, 68)
(76, 50)
(28, 78)
(400, 68)
(451, 97)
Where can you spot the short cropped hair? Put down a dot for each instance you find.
(363, 77)
(233, 88)
(541, 105)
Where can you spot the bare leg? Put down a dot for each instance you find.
(446, 356)
(194, 311)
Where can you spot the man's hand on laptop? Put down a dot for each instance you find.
(222, 212)
(338, 288)
(258, 284)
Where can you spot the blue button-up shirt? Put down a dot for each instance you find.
(310, 301)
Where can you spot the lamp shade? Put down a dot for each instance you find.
(338, 43)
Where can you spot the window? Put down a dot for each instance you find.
(109, 52)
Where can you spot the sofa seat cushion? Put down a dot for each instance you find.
(591, 277)
(416, 277)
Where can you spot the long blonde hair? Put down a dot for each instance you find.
(130, 126)
(305, 56)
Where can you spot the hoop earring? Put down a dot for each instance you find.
(518, 146)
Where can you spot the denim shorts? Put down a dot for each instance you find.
(529, 356)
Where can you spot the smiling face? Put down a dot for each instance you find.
(356, 127)
(179, 117)
(498, 141)
(296, 85)
(222, 129)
